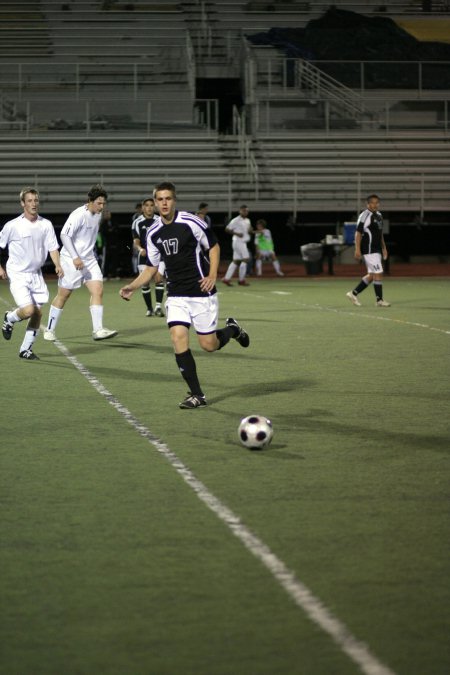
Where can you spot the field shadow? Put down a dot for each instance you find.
(269, 388)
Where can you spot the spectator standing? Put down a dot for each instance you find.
(370, 246)
(240, 228)
(29, 239)
(140, 228)
(78, 236)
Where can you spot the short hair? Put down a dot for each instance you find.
(97, 191)
(262, 222)
(147, 199)
(243, 206)
(165, 185)
(370, 197)
(24, 191)
(202, 205)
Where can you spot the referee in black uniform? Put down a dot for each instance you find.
(191, 254)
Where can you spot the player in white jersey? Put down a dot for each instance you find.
(29, 238)
(241, 229)
(80, 265)
(191, 255)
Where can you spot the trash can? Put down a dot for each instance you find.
(312, 256)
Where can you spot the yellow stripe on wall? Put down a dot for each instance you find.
(427, 29)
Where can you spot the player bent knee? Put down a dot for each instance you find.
(208, 342)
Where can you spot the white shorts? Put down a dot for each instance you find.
(73, 278)
(240, 250)
(202, 313)
(28, 288)
(374, 263)
(266, 255)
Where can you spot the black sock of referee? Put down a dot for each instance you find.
(188, 369)
(224, 335)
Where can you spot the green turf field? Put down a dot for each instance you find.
(111, 564)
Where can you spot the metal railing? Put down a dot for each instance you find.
(108, 115)
(245, 149)
(86, 79)
(279, 75)
(383, 116)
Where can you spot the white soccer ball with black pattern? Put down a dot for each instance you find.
(255, 432)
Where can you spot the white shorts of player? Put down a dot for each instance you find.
(374, 263)
(240, 249)
(202, 313)
(266, 255)
(28, 288)
(73, 278)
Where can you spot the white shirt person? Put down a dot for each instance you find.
(240, 228)
(80, 264)
(30, 238)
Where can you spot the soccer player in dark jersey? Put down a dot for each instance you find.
(370, 245)
(191, 255)
(139, 228)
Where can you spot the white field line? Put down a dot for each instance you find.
(373, 317)
(311, 605)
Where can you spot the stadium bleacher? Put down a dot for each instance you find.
(106, 90)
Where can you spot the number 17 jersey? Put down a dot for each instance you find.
(183, 246)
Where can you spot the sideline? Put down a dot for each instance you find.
(312, 606)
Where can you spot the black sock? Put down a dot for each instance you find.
(378, 288)
(224, 335)
(360, 287)
(159, 293)
(147, 295)
(188, 369)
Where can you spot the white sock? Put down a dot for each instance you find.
(242, 271)
(13, 317)
(232, 267)
(277, 267)
(29, 338)
(97, 317)
(258, 265)
(53, 317)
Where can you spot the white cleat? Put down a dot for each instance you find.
(352, 297)
(103, 334)
(383, 303)
(49, 335)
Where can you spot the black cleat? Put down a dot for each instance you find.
(193, 401)
(159, 311)
(241, 336)
(7, 328)
(29, 355)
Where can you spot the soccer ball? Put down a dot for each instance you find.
(255, 432)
